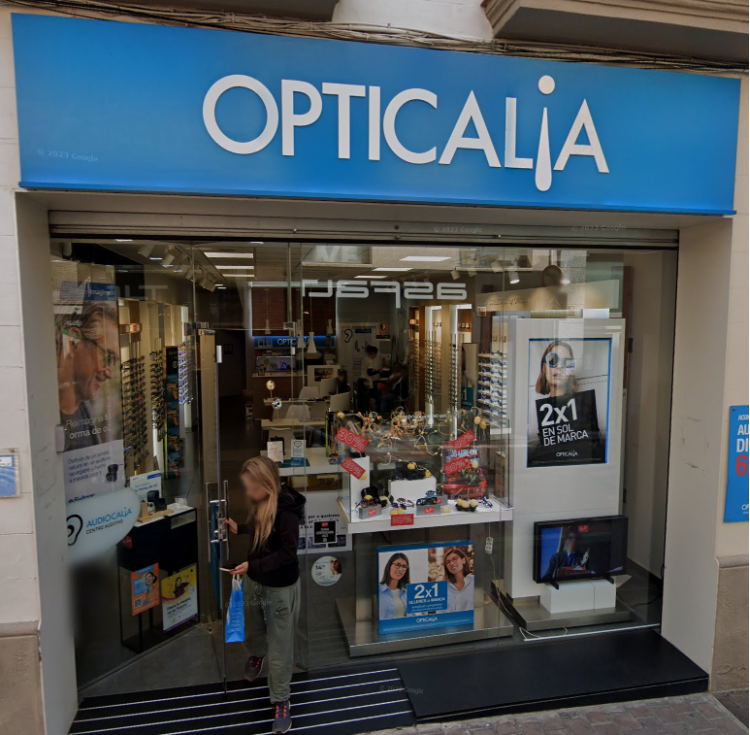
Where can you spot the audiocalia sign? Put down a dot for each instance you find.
(125, 107)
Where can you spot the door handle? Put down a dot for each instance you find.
(225, 502)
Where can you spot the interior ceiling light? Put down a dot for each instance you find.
(235, 267)
(155, 257)
(146, 250)
(496, 266)
(238, 275)
(256, 242)
(455, 275)
(371, 278)
(238, 254)
(425, 258)
(123, 239)
(168, 259)
(565, 281)
(513, 276)
(395, 270)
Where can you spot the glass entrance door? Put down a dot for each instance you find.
(252, 379)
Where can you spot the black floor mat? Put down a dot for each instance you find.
(550, 674)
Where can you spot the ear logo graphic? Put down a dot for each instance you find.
(75, 524)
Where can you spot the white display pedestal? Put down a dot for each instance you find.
(578, 596)
(568, 597)
(605, 594)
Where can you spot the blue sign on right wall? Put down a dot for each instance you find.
(738, 485)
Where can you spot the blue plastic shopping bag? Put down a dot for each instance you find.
(234, 632)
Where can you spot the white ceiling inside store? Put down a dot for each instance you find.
(263, 263)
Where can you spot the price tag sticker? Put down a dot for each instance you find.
(351, 439)
(454, 466)
(353, 468)
(403, 519)
(464, 440)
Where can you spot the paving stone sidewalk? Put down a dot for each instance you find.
(695, 714)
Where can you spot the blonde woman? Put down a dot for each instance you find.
(275, 513)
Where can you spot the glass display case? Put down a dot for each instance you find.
(406, 472)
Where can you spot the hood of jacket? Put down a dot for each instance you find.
(291, 500)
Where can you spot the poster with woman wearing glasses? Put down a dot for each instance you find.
(425, 586)
(569, 384)
(87, 338)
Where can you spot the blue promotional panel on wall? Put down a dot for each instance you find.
(738, 480)
(135, 107)
(425, 586)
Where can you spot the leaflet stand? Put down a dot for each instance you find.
(170, 541)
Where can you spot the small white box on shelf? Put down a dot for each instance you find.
(570, 597)
(412, 489)
(605, 594)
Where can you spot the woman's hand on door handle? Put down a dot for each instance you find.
(231, 525)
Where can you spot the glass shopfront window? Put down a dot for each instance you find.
(480, 432)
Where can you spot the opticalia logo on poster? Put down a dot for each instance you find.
(470, 119)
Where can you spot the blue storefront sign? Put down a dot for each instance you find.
(738, 480)
(134, 107)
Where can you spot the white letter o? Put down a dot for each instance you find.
(209, 114)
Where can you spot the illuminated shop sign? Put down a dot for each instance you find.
(407, 290)
(136, 107)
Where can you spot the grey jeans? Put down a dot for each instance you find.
(270, 623)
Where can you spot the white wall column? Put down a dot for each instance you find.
(710, 374)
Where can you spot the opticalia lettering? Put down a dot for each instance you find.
(409, 290)
(117, 516)
(382, 124)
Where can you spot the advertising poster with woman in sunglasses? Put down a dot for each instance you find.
(87, 338)
(568, 401)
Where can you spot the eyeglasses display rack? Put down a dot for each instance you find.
(134, 422)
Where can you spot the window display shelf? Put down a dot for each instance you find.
(498, 513)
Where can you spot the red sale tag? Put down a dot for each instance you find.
(351, 439)
(352, 468)
(453, 467)
(464, 440)
(404, 519)
(429, 509)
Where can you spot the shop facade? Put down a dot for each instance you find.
(458, 297)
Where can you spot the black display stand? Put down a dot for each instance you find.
(171, 542)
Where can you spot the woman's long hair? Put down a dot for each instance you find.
(542, 384)
(387, 573)
(262, 514)
(467, 564)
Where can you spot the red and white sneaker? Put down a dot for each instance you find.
(282, 717)
(252, 667)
